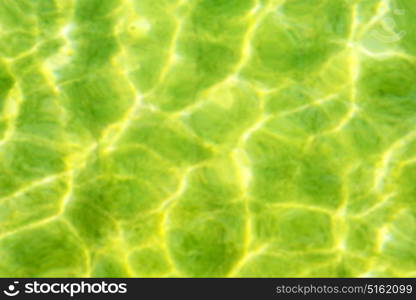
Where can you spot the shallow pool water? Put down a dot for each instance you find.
(207, 138)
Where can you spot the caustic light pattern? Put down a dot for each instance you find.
(207, 138)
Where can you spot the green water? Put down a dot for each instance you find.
(199, 138)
